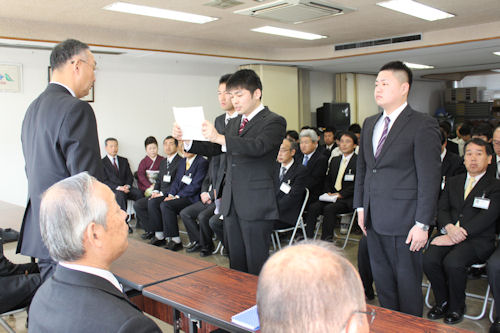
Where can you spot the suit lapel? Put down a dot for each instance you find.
(477, 190)
(257, 118)
(398, 126)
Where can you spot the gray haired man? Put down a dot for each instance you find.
(84, 230)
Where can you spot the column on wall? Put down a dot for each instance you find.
(357, 90)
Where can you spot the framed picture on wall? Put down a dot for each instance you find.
(89, 98)
(10, 78)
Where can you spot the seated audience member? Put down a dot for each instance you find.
(329, 139)
(147, 173)
(315, 163)
(468, 210)
(118, 176)
(84, 230)
(184, 191)
(484, 132)
(463, 135)
(293, 135)
(450, 146)
(166, 175)
(356, 129)
(336, 151)
(18, 283)
(451, 163)
(339, 184)
(290, 185)
(495, 161)
(311, 287)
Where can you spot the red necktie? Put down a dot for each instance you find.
(114, 163)
(242, 125)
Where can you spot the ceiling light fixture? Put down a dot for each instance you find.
(288, 33)
(417, 66)
(416, 9)
(497, 53)
(129, 8)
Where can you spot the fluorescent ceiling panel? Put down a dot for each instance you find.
(497, 53)
(417, 66)
(416, 9)
(287, 33)
(129, 8)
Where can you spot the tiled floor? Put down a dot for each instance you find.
(473, 306)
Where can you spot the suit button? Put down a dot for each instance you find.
(374, 170)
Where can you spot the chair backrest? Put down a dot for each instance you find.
(304, 203)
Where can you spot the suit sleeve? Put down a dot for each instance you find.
(359, 181)
(205, 148)
(444, 207)
(139, 324)
(427, 156)
(79, 142)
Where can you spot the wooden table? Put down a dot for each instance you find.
(143, 265)
(215, 294)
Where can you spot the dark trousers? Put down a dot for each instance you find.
(364, 268)
(122, 197)
(494, 277)
(330, 210)
(169, 210)
(217, 226)
(248, 242)
(153, 221)
(446, 269)
(397, 273)
(198, 213)
(16, 291)
(141, 212)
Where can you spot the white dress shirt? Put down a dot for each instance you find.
(379, 126)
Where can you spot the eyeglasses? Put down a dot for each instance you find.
(370, 315)
(94, 68)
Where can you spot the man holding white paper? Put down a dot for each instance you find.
(251, 142)
(339, 189)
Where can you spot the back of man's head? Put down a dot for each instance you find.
(310, 288)
(67, 208)
(64, 51)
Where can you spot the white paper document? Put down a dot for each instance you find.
(328, 198)
(190, 120)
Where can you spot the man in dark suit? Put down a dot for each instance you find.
(451, 146)
(196, 217)
(339, 183)
(494, 261)
(251, 142)
(18, 283)
(468, 210)
(329, 139)
(185, 190)
(396, 189)
(290, 177)
(118, 176)
(84, 230)
(146, 207)
(451, 163)
(59, 138)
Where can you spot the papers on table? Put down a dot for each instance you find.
(248, 319)
(190, 120)
(328, 198)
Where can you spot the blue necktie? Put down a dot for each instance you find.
(306, 159)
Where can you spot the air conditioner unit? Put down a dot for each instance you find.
(295, 11)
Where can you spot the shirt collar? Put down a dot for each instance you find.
(287, 166)
(107, 275)
(228, 116)
(171, 158)
(65, 86)
(311, 154)
(443, 154)
(254, 112)
(348, 157)
(394, 115)
(190, 160)
(477, 178)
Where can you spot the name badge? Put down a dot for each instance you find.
(349, 178)
(186, 180)
(285, 188)
(167, 178)
(482, 203)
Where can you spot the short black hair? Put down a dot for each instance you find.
(351, 135)
(64, 51)
(465, 129)
(445, 126)
(482, 129)
(171, 137)
(245, 79)
(444, 135)
(355, 128)
(109, 139)
(338, 135)
(292, 133)
(293, 144)
(224, 78)
(398, 66)
(481, 143)
(329, 129)
(149, 140)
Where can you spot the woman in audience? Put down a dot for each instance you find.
(149, 167)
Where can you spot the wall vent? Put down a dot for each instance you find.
(376, 42)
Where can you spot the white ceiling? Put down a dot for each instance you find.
(462, 43)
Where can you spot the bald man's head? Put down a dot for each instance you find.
(310, 287)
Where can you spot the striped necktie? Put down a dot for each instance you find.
(387, 120)
(242, 125)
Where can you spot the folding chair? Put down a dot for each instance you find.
(343, 217)
(275, 238)
(6, 314)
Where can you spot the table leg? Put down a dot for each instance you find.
(177, 320)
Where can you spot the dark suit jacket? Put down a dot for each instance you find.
(479, 223)
(316, 173)
(402, 185)
(452, 147)
(197, 171)
(74, 301)
(59, 138)
(250, 162)
(114, 178)
(452, 165)
(289, 204)
(167, 169)
(217, 164)
(347, 191)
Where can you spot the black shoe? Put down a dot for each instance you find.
(206, 252)
(173, 246)
(370, 295)
(191, 244)
(195, 248)
(438, 311)
(147, 235)
(158, 242)
(453, 317)
(495, 327)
